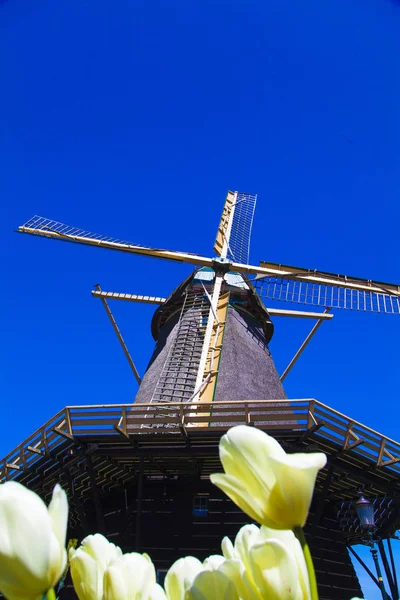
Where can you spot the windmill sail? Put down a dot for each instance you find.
(239, 243)
(316, 288)
(60, 231)
(234, 231)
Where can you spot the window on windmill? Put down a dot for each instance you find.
(160, 576)
(203, 320)
(200, 506)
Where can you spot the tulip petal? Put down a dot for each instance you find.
(228, 549)
(274, 571)
(291, 496)
(289, 540)
(86, 575)
(181, 576)
(130, 577)
(58, 511)
(100, 549)
(238, 493)
(213, 585)
(157, 593)
(88, 563)
(115, 587)
(213, 562)
(244, 453)
(24, 541)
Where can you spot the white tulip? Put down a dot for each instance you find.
(212, 585)
(88, 564)
(157, 592)
(271, 563)
(213, 562)
(272, 487)
(181, 576)
(131, 577)
(32, 541)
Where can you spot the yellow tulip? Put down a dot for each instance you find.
(131, 577)
(32, 541)
(88, 564)
(272, 487)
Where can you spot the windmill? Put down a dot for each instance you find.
(225, 273)
(211, 368)
(272, 281)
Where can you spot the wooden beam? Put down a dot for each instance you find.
(63, 433)
(277, 312)
(139, 498)
(95, 495)
(221, 245)
(77, 502)
(321, 499)
(128, 297)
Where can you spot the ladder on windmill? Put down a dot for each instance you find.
(177, 379)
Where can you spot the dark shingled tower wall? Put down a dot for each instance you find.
(246, 370)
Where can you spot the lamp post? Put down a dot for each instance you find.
(365, 513)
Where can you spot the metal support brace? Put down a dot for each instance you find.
(119, 336)
(304, 344)
(362, 563)
(393, 589)
(389, 543)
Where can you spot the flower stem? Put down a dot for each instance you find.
(299, 533)
(51, 595)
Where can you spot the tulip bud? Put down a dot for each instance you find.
(272, 564)
(131, 577)
(181, 576)
(272, 487)
(213, 562)
(88, 564)
(212, 585)
(32, 541)
(157, 593)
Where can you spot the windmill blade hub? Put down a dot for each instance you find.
(221, 265)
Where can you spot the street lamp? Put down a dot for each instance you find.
(365, 513)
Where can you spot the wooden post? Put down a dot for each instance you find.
(321, 500)
(95, 496)
(139, 498)
(77, 502)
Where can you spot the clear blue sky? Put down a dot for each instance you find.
(133, 119)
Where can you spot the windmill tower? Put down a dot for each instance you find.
(211, 369)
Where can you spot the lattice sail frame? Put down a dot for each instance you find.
(315, 294)
(41, 224)
(273, 281)
(239, 243)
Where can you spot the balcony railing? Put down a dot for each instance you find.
(127, 421)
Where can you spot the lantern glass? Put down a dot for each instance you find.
(365, 512)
